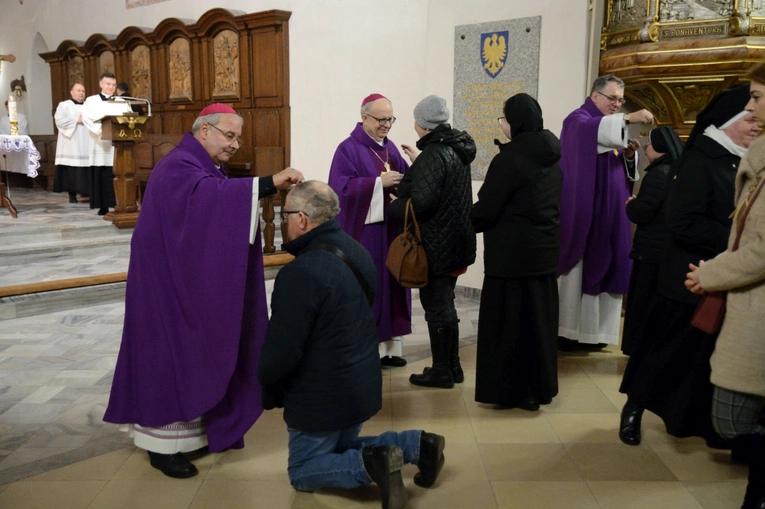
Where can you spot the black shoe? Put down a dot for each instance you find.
(457, 375)
(431, 459)
(72, 198)
(565, 344)
(393, 361)
(103, 211)
(173, 465)
(629, 428)
(432, 377)
(530, 403)
(384, 464)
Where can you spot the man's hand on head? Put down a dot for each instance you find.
(288, 177)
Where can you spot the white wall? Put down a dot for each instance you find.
(340, 51)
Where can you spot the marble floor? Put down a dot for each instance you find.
(55, 452)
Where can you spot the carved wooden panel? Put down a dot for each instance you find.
(106, 63)
(140, 72)
(226, 65)
(76, 66)
(183, 66)
(179, 70)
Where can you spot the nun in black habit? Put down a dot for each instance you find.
(517, 211)
(646, 210)
(668, 372)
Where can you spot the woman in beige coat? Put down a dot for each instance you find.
(738, 362)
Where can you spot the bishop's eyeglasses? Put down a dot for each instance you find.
(230, 136)
(383, 121)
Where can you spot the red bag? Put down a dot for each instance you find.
(710, 312)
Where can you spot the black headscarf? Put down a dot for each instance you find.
(524, 114)
(725, 105)
(666, 141)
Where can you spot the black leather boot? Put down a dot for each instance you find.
(755, 489)
(431, 459)
(173, 465)
(384, 464)
(629, 429)
(440, 375)
(454, 354)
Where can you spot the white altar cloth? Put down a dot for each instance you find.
(19, 155)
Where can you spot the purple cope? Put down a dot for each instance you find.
(195, 308)
(593, 221)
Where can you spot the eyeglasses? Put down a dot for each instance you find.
(230, 137)
(499, 120)
(288, 212)
(615, 100)
(383, 121)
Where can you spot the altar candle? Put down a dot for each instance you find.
(12, 114)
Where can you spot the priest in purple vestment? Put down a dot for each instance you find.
(599, 164)
(366, 168)
(195, 308)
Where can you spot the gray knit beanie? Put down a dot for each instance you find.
(430, 112)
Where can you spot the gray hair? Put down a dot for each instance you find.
(365, 108)
(602, 81)
(210, 119)
(316, 200)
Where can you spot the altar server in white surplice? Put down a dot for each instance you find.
(72, 146)
(101, 151)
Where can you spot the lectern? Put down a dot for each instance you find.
(123, 131)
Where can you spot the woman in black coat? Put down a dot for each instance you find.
(646, 210)
(668, 372)
(440, 187)
(517, 211)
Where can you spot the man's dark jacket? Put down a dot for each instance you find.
(518, 207)
(440, 186)
(321, 346)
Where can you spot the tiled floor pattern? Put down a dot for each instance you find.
(55, 371)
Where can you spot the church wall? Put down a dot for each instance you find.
(340, 51)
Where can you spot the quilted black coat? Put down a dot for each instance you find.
(439, 184)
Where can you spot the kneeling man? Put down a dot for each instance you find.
(320, 360)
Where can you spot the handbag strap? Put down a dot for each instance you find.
(410, 208)
(321, 246)
(754, 192)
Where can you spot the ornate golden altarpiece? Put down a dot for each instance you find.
(675, 55)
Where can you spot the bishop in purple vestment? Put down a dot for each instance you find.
(598, 163)
(365, 170)
(195, 309)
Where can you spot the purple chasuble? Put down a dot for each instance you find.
(357, 163)
(195, 308)
(593, 220)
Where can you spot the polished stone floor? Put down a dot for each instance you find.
(55, 452)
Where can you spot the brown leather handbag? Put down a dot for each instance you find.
(406, 255)
(710, 312)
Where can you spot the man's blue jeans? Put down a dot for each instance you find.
(332, 459)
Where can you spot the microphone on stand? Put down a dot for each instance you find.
(130, 100)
